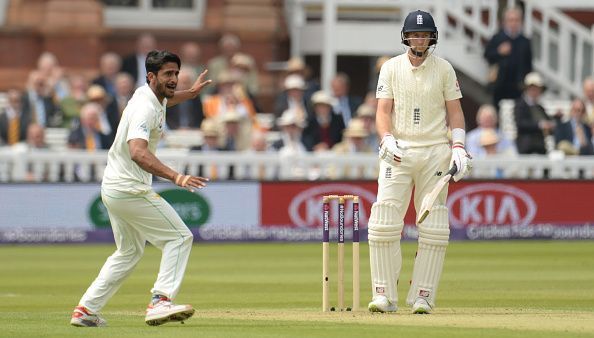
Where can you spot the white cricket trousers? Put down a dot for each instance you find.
(136, 219)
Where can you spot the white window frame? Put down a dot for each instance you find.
(3, 6)
(146, 16)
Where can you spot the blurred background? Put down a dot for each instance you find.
(290, 114)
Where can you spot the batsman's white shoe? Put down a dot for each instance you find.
(165, 311)
(82, 317)
(381, 303)
(421, 306)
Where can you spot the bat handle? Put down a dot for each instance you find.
(453, 169)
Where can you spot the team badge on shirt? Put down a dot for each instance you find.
(143, 128)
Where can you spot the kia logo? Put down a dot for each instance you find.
(490, 204)
(305, 210)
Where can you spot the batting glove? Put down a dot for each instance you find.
(389, 150)
(462, 160)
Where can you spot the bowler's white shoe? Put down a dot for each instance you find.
(381, 303)
(82, 317)
(421, 306)
(165, 311)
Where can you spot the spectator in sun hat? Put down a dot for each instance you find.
(324, 128)
(533, 123)
(293, 97)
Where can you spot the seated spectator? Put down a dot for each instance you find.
(36, 141)
(588, 87)
(574, 136)
(235, 136)
(226, 99)
(87, 134)
(532, 122)
(486, 118)
(187, 114)
(124, 85)
(489, 140)
(36, 137)
(324, 128)
(290, 146)
(134, 64)
(211, 138)
(191, 56)
(211, 135)
(379, 62)
(38, 102)
(241, 66)
(296, 66)
(109, 66)
(291, 135)
(71, 104)
(14, 120)
(109, 117)
(293, 97)
(366, 113)
(354, 139)
(346, 104)
(54, 75)
(229, 45)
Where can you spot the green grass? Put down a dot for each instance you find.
(488, 289)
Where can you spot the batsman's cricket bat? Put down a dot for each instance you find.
(429, 199)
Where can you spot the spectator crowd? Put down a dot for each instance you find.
(304, 117)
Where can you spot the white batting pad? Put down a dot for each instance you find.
(434, 236)
(385, 228)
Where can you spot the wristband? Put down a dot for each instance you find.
(458, 136)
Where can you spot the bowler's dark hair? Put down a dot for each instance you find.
(155, 59)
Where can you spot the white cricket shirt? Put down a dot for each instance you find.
(142, 118)
(419, 94)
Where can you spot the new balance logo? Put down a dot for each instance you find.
(438, 173)
(419, 19)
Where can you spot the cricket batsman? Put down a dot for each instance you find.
(418, 99)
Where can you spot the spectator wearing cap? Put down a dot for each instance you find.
(109, 116)
(574, 137)
(235, 136)
(293, 97)
(353, 139)
(291, 127)
(296, 66)
(532, 122)
(290, 147)
(242, 65)
(229, 45)
(346, 104)
(489, 140)
(187, 114)
(228, 98)
(211, 133)
(486, 118)
(324, 128)
(366, 114)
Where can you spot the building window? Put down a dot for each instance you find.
(154, 13)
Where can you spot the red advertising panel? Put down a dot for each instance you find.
(478, 209)
(299, 204)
